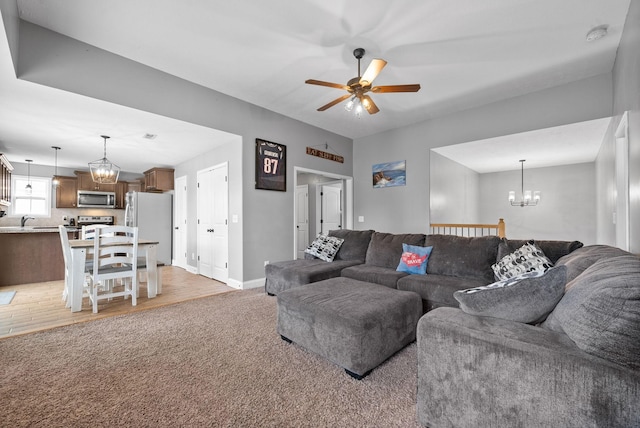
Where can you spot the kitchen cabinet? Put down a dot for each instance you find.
(122, 187)
(136, 186)
(67, 192)
(5, 181)
(158, 179)
(85, 182)
(31, 257)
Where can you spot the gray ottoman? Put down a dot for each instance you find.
(356, 325)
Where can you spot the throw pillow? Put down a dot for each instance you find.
(526, 298)
(414, 259)
(528, 258)
(325, 247)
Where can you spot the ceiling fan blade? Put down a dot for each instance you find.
(334, 102)
(329, 84)
(396, 88)
(372, 71)
(369, 105)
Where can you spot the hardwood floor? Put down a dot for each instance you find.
(39, 306)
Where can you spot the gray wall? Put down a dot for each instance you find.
(566, 210)
(266, 218)
(455, 192)
(406, 209)
(626, 96)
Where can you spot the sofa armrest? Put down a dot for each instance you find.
(481, 371)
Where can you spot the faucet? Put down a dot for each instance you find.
(24, 220)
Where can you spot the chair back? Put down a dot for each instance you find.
(115, 252)
(66, 249)
(88, 231)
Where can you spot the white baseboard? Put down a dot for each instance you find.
(256, 283)
(192, 269)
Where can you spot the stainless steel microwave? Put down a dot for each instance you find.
(92, 199)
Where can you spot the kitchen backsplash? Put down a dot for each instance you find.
(57, 215)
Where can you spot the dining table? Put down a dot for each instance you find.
(79, 250)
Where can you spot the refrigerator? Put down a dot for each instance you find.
(152, 213)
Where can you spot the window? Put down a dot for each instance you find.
(37, 203)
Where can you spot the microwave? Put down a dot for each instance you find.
(92, 199)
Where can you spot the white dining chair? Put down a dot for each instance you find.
(66, 256)
(115, 254)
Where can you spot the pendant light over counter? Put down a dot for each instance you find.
(55, 182)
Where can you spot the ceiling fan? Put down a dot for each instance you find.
(358, 87)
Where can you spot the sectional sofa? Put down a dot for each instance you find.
(577, 366)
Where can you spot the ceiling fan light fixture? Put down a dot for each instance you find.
(349, 105)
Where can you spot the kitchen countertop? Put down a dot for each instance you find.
(35, 229)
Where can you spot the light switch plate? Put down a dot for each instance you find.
(360, 219)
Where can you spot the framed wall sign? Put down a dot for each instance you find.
(271, 166)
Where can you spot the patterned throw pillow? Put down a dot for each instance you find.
(414, 259)
(324, 247)
(528, 258)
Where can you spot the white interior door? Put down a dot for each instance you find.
(205, 223)
(180, 222)
(220, 263)
(302, 219)
(331, 208)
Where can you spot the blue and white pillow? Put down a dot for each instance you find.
(325, 247)
(414, 259)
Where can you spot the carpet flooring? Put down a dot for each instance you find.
(210, 362)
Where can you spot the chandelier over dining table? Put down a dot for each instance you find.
(104, 171)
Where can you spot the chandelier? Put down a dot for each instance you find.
(104, 171)
(28, 188)
(527, 198)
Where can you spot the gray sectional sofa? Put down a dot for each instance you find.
(580, 367)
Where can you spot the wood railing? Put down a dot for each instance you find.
(469, 229)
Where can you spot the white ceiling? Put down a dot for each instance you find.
(560, 145)
(463, 53)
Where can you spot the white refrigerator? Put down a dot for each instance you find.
(152, 213)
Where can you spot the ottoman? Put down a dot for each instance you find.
(354, 324)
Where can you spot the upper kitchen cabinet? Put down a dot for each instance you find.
(85, 182)
(67, 192)
(158, 179)
(122, 187)
(5, 181)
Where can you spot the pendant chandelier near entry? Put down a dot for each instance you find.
(527, 198)
(104, 171)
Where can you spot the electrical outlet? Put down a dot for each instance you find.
(65, 218)
(193, 256)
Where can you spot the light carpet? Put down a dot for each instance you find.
(210, 362)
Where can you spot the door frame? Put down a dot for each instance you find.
(180, 187)
(348, 199)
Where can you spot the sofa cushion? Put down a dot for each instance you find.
(324, 247)
(526, 298)
(462, 256)
(374, 274)
(579, 260)
(355, 244)
(414, 259)
(437, 290)
(600, 311)
(287, 274)
(528, 258)
(552, 249)
(385, 249)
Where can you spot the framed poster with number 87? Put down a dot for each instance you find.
(271, 166)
